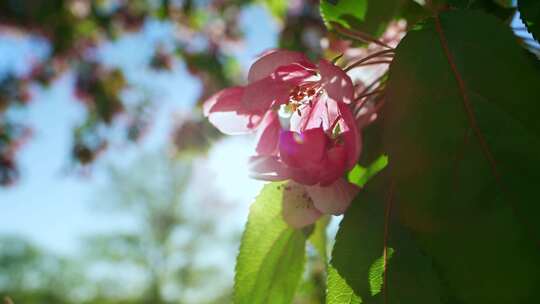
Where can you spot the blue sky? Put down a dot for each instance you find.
(51, 205)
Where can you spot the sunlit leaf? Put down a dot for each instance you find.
(318, 237)
(369, 16)
(360, 175)
(342, 11)
(339, 292)
(272, 255)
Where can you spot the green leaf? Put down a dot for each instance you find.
(462, 130)
(341, 11)
(271, 259)
(370, 245)
(369, 16)
(339, 292)
(360, 175)
(318, 237)
(413, 12)
(530, 14)
(503, 12)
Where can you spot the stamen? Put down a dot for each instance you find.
(302, 96)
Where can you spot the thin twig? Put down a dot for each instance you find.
(374, 55)
(359, 35)
(370, 86)
(379, 103)
(369, 94)
(374, 62)
(337, 58)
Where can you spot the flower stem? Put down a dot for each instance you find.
(358, 35)
(374, 63)
(374, 55)
(369, 94)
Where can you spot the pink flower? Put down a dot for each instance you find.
(306, 131)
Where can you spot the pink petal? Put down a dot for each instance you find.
(323, 113)
(226, 100)
(270, 61)
(334, 166)
(260, 95)
(274, 89)
(267, 168)
(337, 83)
(298, 210)
(366, 115)
(301, 149)
(293, 74)
(351, 137)
(305, 176)
(268, 134)
(333, 199)
(232, 123)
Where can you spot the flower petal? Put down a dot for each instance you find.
(226, 100)
(270, 61)
(337, 83)
(323, 113)
(268, 134)
(294, 74)
(260, 95)
(305, 176)
(232, 123)
(366, 115)
(274, 89)
(302, 149)
(298, 209)
(223, 110)
(334, 165)
(351, 136)
(267, 168)
(333, 199)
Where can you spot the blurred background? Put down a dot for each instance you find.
(113, 188)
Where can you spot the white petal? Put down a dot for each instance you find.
(298, 209)
(333, 199)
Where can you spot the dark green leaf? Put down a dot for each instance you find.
(370, 241)
(271, 258)
(503, 12)
(413, 12)
(530, 14)
(462, 130)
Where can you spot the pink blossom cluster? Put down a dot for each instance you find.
(305, 129)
